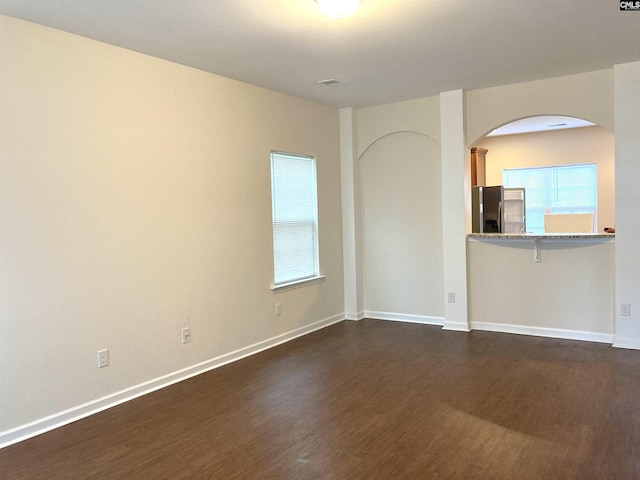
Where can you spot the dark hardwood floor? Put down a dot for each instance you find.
(369, 400)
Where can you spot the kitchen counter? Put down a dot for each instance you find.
(537, 238)
(542, 236)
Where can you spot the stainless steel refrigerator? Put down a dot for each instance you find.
(498, 210)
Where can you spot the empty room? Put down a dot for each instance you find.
(319, 239)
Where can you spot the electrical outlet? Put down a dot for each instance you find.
(278, 310)
(451, 297)
(186, 335)
(625, 309)
(103, 358)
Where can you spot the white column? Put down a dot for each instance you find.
(455, 188)
(627, 130)
(351, 231)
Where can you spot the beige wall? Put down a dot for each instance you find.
(627, 106)
(587, 95)
(421, 115)
(568, 293)
(401, 206)
(135, 193)
(560, 147)
(402, 226)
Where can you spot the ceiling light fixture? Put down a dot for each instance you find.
(338, 8)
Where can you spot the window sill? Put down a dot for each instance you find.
(283, 287)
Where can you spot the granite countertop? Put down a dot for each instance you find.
(542, 236)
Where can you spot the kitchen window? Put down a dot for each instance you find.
(556, 189)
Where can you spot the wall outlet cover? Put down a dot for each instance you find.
(625, 309)
(186, 335)
(103, 358)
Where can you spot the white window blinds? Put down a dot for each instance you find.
(295, 217)
(557, 189)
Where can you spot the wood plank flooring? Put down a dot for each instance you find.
(369, 400)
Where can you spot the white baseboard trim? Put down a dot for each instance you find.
(404, 317)
(37, 427)
(543, 332)
(354, 316)
(626, 342)
(456, 326)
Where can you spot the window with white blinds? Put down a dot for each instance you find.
(557, 189)
(295, 217)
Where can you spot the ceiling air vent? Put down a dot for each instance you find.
(330, 82)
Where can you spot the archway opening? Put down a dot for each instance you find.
(565, 164)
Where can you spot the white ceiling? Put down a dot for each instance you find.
(390, 50)
(540, 123)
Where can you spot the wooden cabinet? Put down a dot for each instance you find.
(477, 166)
